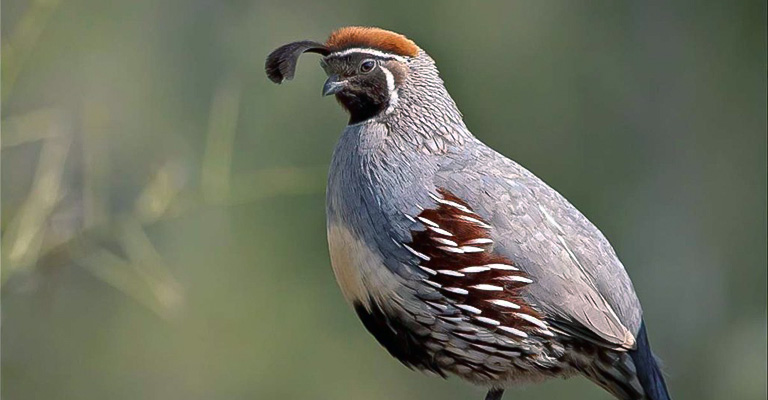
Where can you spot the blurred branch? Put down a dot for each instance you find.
(31, 127)
(222, 127)
(119, 273)
(22, 240)
(218, 186)
(160, 193)
(48, 231)
(149, 265)
(18, 47)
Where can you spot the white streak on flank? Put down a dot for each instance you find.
(479, 241)
(475, 221)
(439, 231)
(455, 320)
(501, 267)
(409, 218)
(550, 219)
(416, 253)
(428, 270)
(546, 332)
(487, 287)
(456, 290)
(439, 306)
(393, 98)
(516, 332)
(450, 272)
(428, 222)
(457, 206)
(471, 249)
(472, 270)
(504, 303)
(532, 320)
(451, 203)
(435, 284)
(488, 321)
(570, 253)
(372, 52)
(445, 241)
(473, 310)
(451, 249)
(515, 278)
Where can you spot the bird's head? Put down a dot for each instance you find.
(366, 67)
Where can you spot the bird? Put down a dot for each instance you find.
(458, 260)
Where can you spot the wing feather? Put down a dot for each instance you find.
(580, 283)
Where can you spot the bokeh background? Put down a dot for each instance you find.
(163, 232)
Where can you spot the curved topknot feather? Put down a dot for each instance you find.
(374, 38)
(281, 63)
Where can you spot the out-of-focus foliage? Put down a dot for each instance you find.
(162, 202)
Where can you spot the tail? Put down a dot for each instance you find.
(648, 371)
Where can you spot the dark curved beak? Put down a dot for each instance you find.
(333, 85)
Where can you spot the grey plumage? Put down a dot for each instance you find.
(388, 169)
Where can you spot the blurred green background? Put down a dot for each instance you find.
(163, 231)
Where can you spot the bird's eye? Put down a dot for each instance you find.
(367, 66)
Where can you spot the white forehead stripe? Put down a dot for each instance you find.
(392, 89)
(375, 53)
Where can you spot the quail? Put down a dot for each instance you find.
(458, 260)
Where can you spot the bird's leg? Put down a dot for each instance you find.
(494, 394)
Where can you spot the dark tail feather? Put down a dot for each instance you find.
(648, 371)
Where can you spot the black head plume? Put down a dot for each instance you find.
(281, 63)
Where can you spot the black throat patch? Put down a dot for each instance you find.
(366, 94)
(367, 98)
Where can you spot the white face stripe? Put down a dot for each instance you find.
(375, 53)
(392, 89)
